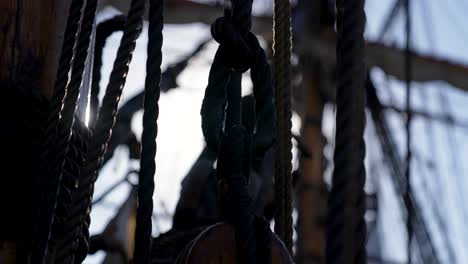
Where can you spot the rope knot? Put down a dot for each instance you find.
(236, 49)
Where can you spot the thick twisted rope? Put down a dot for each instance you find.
(59, 148)
(235, 140)
(62, 237)
(242, 15)
(143, 230)
(56, 105)
(346, 228)
(107, 114)
(62, 76)
(283, 156)
(79, 219)
(103, 31)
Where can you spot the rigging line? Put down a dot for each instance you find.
(143, 230)
(409, 226)
(53, 118)
(436, 212)
(390, 19)
(106, 119)
(427, 21)
(112, 188)
(395, 164)
(441, 118)
(452, 139)
(454, 157)
(346, 228)
(282, 84)
(103, 31)
(61, 142)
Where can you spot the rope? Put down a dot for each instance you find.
(143, 230)
(346, 229)
(56, 151)
(75, 161)
(410, 213)
(425, 243)
(283, 156)
(103, 31)
(56, 105)
(238, 141)
(107, 114)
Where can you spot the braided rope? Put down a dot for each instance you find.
(143, 230)
(103, 31)
(346, 228)
(283, 167)
(57, 150)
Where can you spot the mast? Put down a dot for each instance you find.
(311, 189)
(30, 41)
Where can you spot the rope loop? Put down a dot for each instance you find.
(221, 79)
(239, 140)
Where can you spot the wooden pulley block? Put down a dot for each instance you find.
(217, 245)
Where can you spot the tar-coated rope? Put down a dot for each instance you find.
(66, 55)
(103, 31)
(108, 111)
(142, 253)
(62, 237)
(346, 228)
(57, 150)
(51, 126)
(283, 168)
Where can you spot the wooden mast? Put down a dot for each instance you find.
(30, 39)
(311, 189)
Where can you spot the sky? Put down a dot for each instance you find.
(437, 170)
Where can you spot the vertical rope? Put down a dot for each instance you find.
(242, 15)
(346, 228)
(66, 55)
(56, 105)
(283, 168)
(409, 217)
(58, 143)
(142, 252)
(108, 112)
